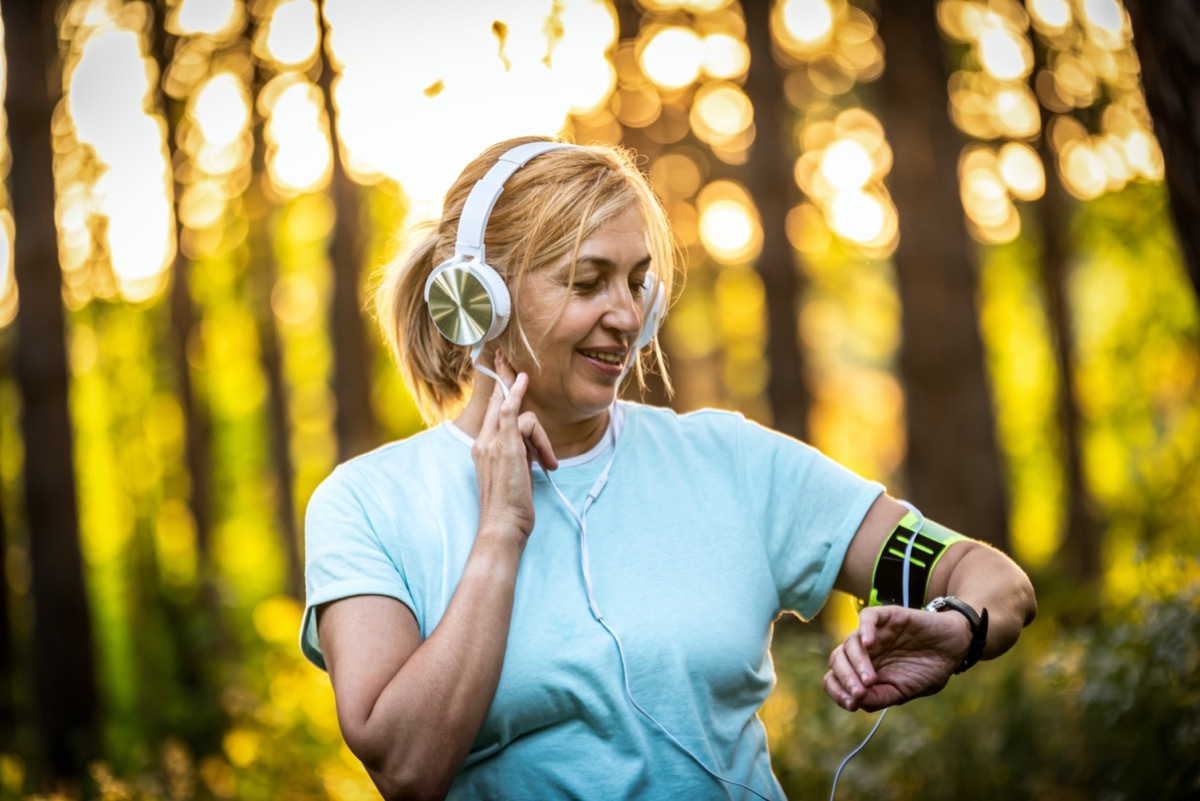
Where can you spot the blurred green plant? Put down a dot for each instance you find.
(1110, 711)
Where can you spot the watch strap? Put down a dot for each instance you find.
(978, 621)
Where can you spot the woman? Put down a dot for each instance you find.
(552, 594)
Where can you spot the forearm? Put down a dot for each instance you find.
(986, 578)
(420, 729)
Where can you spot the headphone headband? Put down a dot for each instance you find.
(472, 225)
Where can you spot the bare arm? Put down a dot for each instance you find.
(898, 654)
(410, 710)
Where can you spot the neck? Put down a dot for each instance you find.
(568, 437)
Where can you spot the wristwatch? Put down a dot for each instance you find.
(977, 621)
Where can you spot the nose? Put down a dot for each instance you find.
(624, 313)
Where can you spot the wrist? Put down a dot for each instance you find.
(977, 622)
(497, 550)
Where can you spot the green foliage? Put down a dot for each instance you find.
(1108, 712)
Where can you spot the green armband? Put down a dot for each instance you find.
(930, 541)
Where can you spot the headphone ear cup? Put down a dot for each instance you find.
(654, 309)
(468, 301)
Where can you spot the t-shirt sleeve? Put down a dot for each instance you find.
(344, 553)
(808, 508)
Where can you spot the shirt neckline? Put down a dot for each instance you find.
(601, 449)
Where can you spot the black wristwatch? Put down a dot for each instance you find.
(978, 623)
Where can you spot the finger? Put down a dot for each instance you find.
(504, 367)
(836, 692)
(491, 415)
(842, 666)
(516, 394)
(535, 435)
(858, 659)
(861, 656)
(869, 621)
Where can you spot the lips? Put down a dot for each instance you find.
(615, 358)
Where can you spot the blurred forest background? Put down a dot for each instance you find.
(953, 243)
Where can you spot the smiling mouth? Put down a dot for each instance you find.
(608, 358)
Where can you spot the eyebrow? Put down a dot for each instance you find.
(608, 264)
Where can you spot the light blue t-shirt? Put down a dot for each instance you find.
(708, 527)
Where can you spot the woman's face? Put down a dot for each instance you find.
(584, 334)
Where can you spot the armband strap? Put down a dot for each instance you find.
(887, 580)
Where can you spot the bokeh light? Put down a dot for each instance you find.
(805, 24)
(721, 112)
(726, 57)
(293, 34)
(1021, 170)
(1088, 62)
(221, 109)
(213, 18)
(8, 285)
(400, 98)
(107, 96)
(856, 215)
(673, 56)
(299, 159)
(1050, 16)
(1004, 54)
(842, 166)
(846, 165)
(729, 226)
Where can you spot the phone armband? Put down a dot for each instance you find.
(929, 542)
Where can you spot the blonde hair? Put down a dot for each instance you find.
(547, 209)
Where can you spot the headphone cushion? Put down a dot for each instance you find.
(654, 307)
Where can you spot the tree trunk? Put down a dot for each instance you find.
(1080, 549)
(194, 629)
(64, 684)
(263, 276)
(197, 424)
(769, 181)
(357, 430)
(8, 667)
(953, 465)
(1167, 38)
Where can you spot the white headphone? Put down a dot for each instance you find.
(467, 298)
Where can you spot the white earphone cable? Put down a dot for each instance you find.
(904, 599)
(580, 519)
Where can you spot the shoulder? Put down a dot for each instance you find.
(439, 442)
(705, 427)
(376, 471)
(662, 419)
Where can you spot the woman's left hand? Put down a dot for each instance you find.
(895, 655)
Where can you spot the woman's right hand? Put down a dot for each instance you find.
(503, 452)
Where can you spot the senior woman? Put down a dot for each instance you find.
(551, 593)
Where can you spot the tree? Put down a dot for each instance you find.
(1081, 541)
(64, 693)
(196, 630)
(357, 430)
(953, 463)
(263, 276)
(8, 673)
(1166, 34)
(197, 425)
(771, 187)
